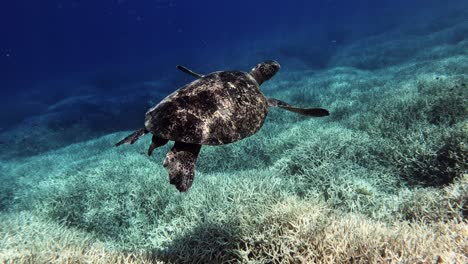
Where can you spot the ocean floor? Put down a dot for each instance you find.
(382, 179)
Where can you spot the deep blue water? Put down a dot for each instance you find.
(50, 50)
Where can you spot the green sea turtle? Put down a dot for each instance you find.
(216, 109)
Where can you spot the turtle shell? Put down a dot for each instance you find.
(220, 108)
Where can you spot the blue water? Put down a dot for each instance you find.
(78, 76)
(51, 48)
(56, 51)
(55, 39)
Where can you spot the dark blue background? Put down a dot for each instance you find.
(48, 42)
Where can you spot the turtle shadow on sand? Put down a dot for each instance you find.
(216, 109)
(206, 243)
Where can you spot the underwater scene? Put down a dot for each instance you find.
(177, 131)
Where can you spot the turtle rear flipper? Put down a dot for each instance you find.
(190, 72)
(314, 112)
(156, 142)
(132, 138)
(180, 164)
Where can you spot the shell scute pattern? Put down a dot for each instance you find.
(220, 108)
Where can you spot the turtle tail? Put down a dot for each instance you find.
(132, 138)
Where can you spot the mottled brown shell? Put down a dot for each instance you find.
(218, 109)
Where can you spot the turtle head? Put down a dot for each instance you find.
(265, 70)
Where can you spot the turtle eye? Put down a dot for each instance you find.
(268, 70)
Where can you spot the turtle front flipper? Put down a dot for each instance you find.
(189, 72)
(314, 112)
(180, 163)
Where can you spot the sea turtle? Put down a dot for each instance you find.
(216, 109)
